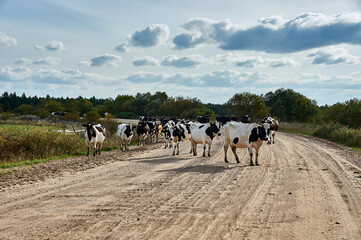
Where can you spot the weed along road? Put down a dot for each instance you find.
(304, 188)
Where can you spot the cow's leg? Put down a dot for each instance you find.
(194, 146)
(87, 152)
(250, 155)
(204, 148)
(178, 148)
(273, 136)
(175, 145)
(234, 150)
(257, 149)
(225, 152)
(209, 149)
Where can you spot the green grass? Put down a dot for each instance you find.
(298, 128)
(26, 127)
(60, 157)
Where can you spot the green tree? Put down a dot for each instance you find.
(24, 109)
(247, 104)
(92, 116)
(288, 105)
(84, 106)
(52, 106)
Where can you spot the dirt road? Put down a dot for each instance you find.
(304, 189)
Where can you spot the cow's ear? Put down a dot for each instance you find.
(84, 125)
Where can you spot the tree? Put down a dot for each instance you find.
(52, 106)
(24, 109)
(247, 104)
(92, 116)
(84, 106)
(289, 105)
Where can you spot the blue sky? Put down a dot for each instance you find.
(206, 49)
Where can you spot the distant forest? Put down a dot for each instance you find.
(284, 104)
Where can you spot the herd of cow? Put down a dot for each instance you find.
(243, 134)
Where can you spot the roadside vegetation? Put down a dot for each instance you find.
(22, 139)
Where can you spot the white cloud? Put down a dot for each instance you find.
(145, 61)
(51, 46)
(9, 74)
(23, 61)
(47, 61)
(334, 55)
(105, 60)
(191, 61)
(241, 60)
(152, 35)
(274, 35)
(7, 41)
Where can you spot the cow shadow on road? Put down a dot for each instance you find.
(158, 160)
(204, 169)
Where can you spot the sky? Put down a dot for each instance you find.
(206, 49)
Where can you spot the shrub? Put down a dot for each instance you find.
(341, 134)
(36, 143)
(92, 116)
(5, 116)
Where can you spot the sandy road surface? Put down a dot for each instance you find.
(304, 189)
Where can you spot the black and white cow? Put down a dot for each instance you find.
(242, 135)
(224, 119)
(152, 128)
(181, 132)
(125, 132)
(142, 131)
(246, 119)
(94, 136)
(274, 128)
(168, 129)
(203, 119)
(203, 133)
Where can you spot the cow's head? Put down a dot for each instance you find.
(128, 130)
(89, 130)
(261, 132)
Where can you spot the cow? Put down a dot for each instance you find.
(181, 132)
(158, 129)
(246, 119)
(94, 136)
(224, 119)
(244, 135)
(125, 132)
(142, 131)
(168, 129)
(203, 133)
(274, 128)
(151, 134)
(203, 119)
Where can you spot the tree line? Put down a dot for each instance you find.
(283, 104)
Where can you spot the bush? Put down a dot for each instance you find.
(5, 116)
(92, 116)
(341, 134)
(110, 125)
(36, 143)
